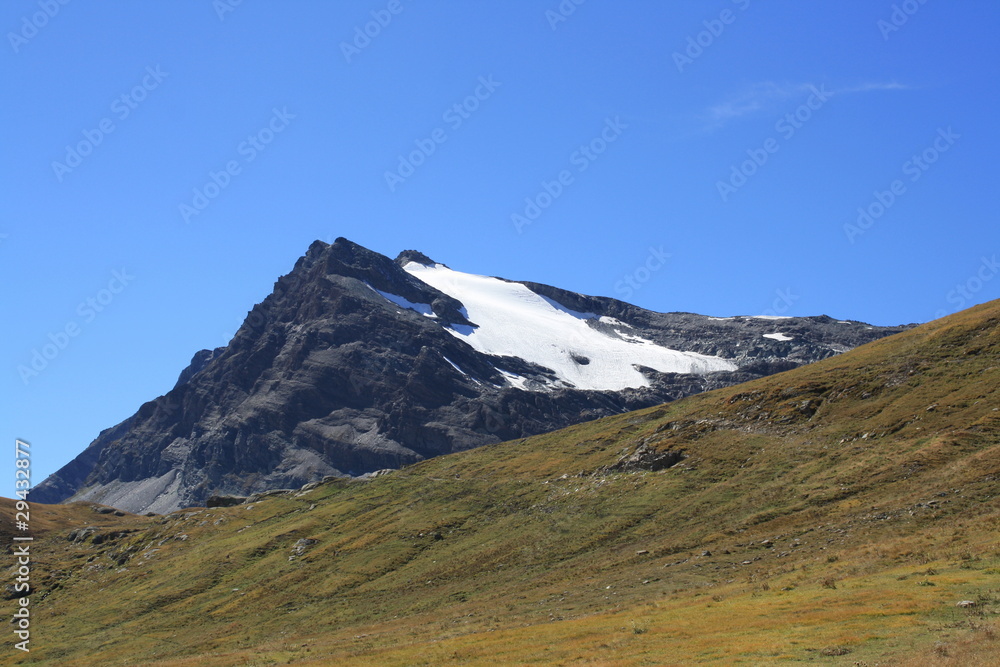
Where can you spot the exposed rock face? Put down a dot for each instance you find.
(198, 362)
(327, 377)
(646, 458)
(225, 501)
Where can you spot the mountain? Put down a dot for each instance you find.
(844, 512)
(357, 363)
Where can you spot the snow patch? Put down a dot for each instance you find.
(778, 336)
(633, 338)
(771, 317)
(455, 366)
(514, 321)
(422, 308)
(604, 319)
(515, 380)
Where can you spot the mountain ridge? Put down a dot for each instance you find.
(353, 364)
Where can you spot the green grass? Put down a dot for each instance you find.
(819, 495)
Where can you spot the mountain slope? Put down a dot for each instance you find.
(357, 363)
(839, 509)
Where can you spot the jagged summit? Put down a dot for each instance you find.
(356, 363)
(408, 256)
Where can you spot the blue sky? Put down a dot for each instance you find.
(165, 162)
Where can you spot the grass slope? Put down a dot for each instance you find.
(835, 514)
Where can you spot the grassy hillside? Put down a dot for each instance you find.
(834, 514)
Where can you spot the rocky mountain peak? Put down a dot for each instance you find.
(354, 364)
(408, 256)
